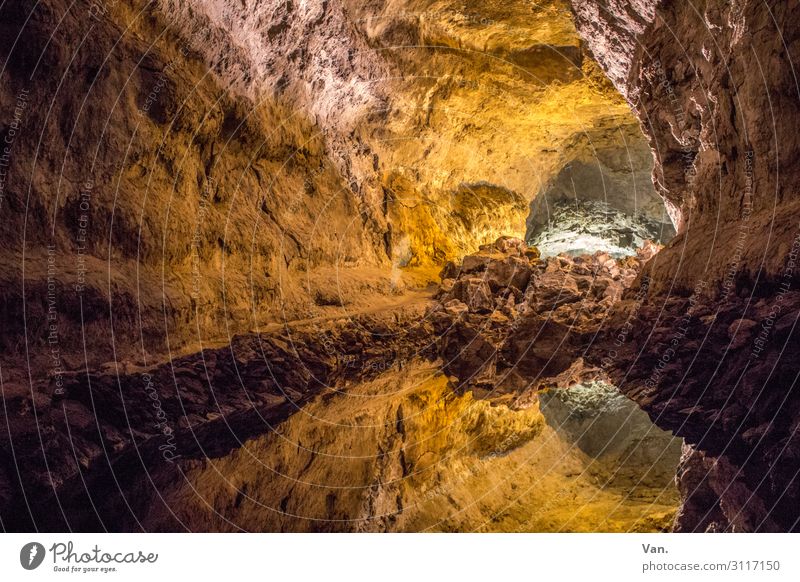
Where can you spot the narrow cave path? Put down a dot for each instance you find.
(378, 304)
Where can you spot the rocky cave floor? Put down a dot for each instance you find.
(463, 408)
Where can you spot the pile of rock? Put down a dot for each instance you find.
(507, 279)
(508, 319)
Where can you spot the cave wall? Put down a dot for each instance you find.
(219, 163)
(706, 341)
(146, 184)
(713, 86)
(494, 100)
(181, 171)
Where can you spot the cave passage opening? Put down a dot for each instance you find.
(571, 176)
(603, 200)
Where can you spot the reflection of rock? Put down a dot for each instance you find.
(526, 350)
(715, 497)
(403, 452)
(608, 426)
(741, 411)
(128, 420)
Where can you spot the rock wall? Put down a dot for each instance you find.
(705, 341)
(497, 98)
(148, 198)
(218, 163)
(713, 88)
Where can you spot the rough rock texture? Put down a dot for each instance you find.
(142, 187)
(712, 87)
(219, 162)
(335, 424)
(723, 377)
(497, 98)
(715, 499)
(179, 172)
(407, 452)
(613, 168)
(180, 169)
(101, 431)
(578, 228)
(510, 324)
(708, 345)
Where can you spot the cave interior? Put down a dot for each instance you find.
(399, 265)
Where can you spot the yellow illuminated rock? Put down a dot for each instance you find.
(406, 452)
(494, 97)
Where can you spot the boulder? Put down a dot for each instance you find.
(551, 289)
(532, 254)
(475, 263)
(507, 272)
(510, 245)
(455, 308)
(475, 293)
(449, 271)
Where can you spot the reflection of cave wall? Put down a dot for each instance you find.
(403, 452)
(613, 166)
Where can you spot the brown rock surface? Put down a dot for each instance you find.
(533, 317)
(709, 342)
(179, 172)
